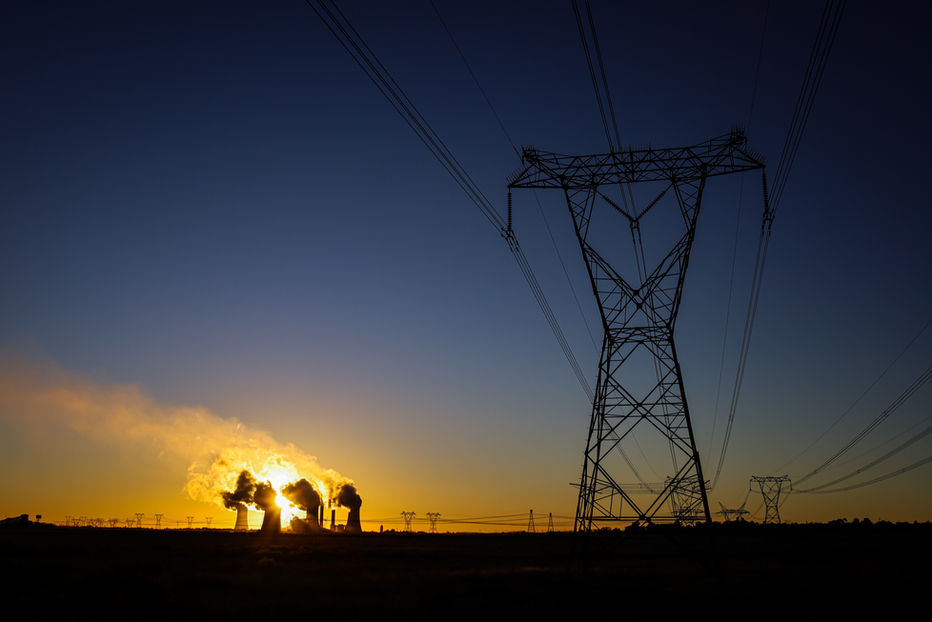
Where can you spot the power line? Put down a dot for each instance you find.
(825, 39)
(734, 248)
(889, 410)
(501, 125)
(375, 70)
(886, 476)
(368, 61)
(889, 454)
(861, 396)
(557, 331)
(818, 58)
(485, 96)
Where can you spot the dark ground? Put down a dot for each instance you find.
(723, 570)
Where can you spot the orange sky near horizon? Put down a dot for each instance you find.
(75, 447)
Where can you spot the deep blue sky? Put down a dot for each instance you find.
(212, 201)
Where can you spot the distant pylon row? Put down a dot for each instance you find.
(134, 522)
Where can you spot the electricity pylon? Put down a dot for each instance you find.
(408, 517)
(770, 489)
(432, 517)
(530, 522)
(639, 383)
(732, 514)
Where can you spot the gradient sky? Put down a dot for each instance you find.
(211, 202)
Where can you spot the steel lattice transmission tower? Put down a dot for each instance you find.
(770, 489)
(639, 384)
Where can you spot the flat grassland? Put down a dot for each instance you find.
(732, 569)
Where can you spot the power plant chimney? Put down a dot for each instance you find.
(272, 521)
(352, 521)
(242, 518)
(350, 499)
(264, 498)
(311, 517)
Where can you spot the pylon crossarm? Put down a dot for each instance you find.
(721, 155)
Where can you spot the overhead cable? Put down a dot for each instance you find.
(889, 410)
(818, 58)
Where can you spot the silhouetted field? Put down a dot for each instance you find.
(723, 570)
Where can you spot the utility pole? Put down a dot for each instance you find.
(530, 522)
(432, 517)
(770, 488)
(158, 521)
(408, 517)
(639, 399)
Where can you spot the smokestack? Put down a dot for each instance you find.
(303, 495)
(350, 499)
(237, 500)
(264, 498)
(242, 518)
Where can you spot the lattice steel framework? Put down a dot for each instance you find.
(770, 489)
(638, 318)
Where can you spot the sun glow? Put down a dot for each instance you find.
(281, 473)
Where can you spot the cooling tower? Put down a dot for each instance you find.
(352, 521)
(312, 523)
(272, 521)
(242, 519)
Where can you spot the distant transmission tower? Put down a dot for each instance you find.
(639, 383)
(139, 516)
(113, 522)
(770, 489)
(408, 516)
(735, 514)
(130, 522)
(158, 520)
(190, 520)
(209, 519)
(432, 517)
(530, 522)
(550, 522)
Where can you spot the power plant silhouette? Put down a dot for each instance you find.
(302, 494)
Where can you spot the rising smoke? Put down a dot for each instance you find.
(217, 450)
(347, 497)
(245, 489)
(264, 497)
(303, 495)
